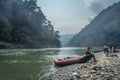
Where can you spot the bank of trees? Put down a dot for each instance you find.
(22, 23)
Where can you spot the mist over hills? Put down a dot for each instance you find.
(23, 25)
(64, 39)
(103, 29)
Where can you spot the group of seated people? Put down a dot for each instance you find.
(109, 49)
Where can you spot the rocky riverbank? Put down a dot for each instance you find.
(106, 68)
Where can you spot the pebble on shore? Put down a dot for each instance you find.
(107, 68)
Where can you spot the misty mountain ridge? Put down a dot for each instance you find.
(23, 25)
(104, 29)
(65, 38)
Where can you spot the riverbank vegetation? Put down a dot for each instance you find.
(23, 25)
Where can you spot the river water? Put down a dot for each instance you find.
(32, 64)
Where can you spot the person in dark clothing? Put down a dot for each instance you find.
(105, 49)
(89, 54)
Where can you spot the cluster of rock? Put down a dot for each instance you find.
(97, 72)
(107, 68)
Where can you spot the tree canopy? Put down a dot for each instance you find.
(23, 23)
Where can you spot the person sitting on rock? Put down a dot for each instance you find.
(89, 54)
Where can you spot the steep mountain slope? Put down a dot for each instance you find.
(104, 29)
(23, 25)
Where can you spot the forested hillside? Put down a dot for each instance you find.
(103, 29)
(23, 25)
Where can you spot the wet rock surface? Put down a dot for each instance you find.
(106, 68)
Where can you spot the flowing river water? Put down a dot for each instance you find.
(32, 64)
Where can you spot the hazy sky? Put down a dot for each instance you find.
(70, 16)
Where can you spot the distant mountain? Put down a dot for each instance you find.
(103, 29)
(64, 39)
(23, 25)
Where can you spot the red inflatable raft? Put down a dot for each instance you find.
(64, 62)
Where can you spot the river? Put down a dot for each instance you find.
(32, 64)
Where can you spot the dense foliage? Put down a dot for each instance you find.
(104, 29)
(22, 24)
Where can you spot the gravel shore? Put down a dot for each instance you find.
(106, 68)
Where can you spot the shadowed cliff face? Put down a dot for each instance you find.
(104, 29)
(22, 24)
